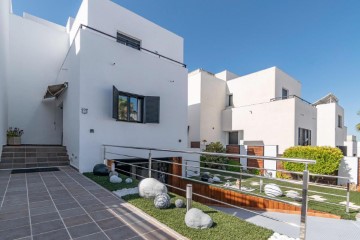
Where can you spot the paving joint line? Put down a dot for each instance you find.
(7, 186)
(54, 205)
(28, 208)
(82, 208)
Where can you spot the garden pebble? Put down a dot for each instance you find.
(126, 191)
(179, 203)
(150, 188)
(195, 218)
(115, 179)
(162, 201)
(128, 180)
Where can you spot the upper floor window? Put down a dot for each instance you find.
(128, 41)
(130, 107)
(304, 138)
(230, 100)
(285, 93)
(340, 121)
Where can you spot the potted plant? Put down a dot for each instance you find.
(14, 136)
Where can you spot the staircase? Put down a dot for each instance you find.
(16, 157)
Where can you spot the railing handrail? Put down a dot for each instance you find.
(141, 48)
(288, 97)
(297, 160)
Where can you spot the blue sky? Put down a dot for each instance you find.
(316, 42)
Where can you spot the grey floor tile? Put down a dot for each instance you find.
(72, 212)
(46, 203)
(67, 206)
(124, 232)
(100, 215)
(44, 217)
(77, 220)
(94, 208)
(11, 234)
(15, 223)
(95, 236)
(47, 227)
(42, 210)
(157, 235)
(83, 230)
(60, 234)
(110, 223)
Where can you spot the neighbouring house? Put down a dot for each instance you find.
(108, 77)
(261, 108)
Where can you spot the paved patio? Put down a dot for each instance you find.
(66, 205)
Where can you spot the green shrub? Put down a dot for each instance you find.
(214, 161)
(327, 159)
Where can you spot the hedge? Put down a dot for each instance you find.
(327, 159)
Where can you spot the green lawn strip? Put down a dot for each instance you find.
(225, 226)
(104, 181)
(319, 206)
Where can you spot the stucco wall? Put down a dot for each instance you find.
(328, 132)
(305, 117)
(194, 106)
(36, 53)
(4, 48)
(213, 97)
(110, 17)
(135, 72)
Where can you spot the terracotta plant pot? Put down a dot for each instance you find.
(14, 141)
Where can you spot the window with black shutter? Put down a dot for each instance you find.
(129, 107)
(152, 109)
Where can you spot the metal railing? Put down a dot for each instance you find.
(288, 97)
(147, 154)
(82, 26)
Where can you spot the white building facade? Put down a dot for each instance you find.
(104, 46)
(261, 108)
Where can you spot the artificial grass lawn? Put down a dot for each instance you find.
(225, 226)
(104, 181)
(315, 205)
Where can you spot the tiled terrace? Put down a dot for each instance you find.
(66, 205)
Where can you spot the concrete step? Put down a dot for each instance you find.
(33, 156)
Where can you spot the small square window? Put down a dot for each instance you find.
(285, 93)
(230, 101)
(128, 41)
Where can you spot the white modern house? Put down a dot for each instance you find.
(108, 77)
(261, 108)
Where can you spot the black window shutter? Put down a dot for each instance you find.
(115, 103)
(152, 110)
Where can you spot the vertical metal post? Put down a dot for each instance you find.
(104, 153)
(189, 193)
(304, 204)
(347, 196)
(186, 169)
(150, 163)
(261, 182)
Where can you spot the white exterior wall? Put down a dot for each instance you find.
(91, 75)
(328, 132)
(5, 8)
(348, 168)
(262, 86)
(194, 107)
(110, 17)
(206, 101)
(305, 117)
(213, 102)
(351, 145)
(36, 53)
(274, 123)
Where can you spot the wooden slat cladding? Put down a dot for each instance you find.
(234, 149)
(195, 145)
(237, 199)
(256, 151)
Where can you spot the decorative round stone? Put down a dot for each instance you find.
(128, 180)
(113, 173)
(216, 179)
(150, 188)
(115, 179)
(179, 203)
(162, 201)
(100, 170)
(195, 218)
(272, 190)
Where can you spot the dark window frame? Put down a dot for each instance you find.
(229, 138)
(230, 100)
(282, 93)
(141, 111)
(302, 134)
(340, 121)
(128, 40)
